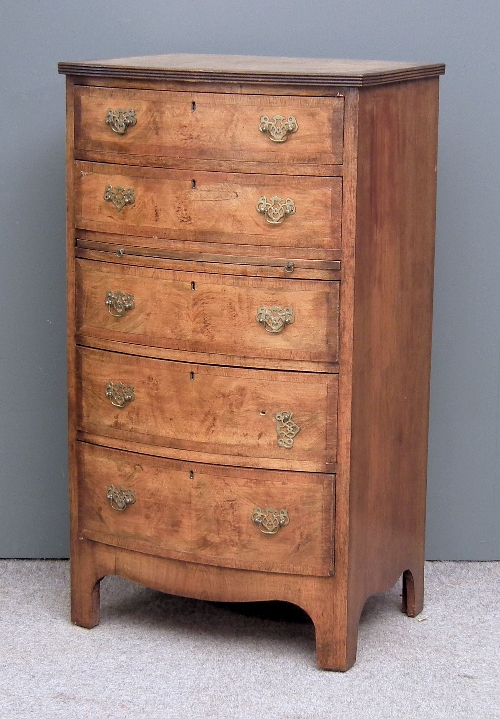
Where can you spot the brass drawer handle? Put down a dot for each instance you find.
(119, 196)
(275, 319)
(118, 303)
(275, 210)
(119, 395)
(286, 429)
(121, 120)
(120, 498)
(278, 128)
(270, 520)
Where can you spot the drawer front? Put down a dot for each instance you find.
(225, 415)
(253, 209)
(207, 513)
(216, 314)
(210, 125)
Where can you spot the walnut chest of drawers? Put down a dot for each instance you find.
(250, 261)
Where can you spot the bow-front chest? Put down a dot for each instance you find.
(250, 260)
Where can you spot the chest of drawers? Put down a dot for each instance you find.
(250, 260)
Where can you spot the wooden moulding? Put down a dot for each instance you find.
(310, 72)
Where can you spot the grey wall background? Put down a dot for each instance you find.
(464, 499)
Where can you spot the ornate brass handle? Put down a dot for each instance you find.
(286, 429)
(270, 520)
(275, 210)
(120, 498)
(119, 395)
(119, 303)
(120, 120)
(275, 319)
(119, 196)
(278, 128)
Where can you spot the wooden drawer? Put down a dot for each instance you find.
(209, 313)
(203, 125)
(207, 413)
(203, 513)
(217, 207)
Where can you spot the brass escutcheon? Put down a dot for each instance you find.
(270, 520)
(119, 395)
(286, 429)
(278, 128)
(120, 120)
(120, 498)
(119, 303)
(119, 196)
(275, 210)
(274, 318)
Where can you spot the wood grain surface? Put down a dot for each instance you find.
(229, 413)
(392, 336)
(209, 126)
(208, 206)
(210, 313)
(203, 513)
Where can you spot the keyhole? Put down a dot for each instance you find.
(191, 474)
(191, 375)
(193, 106)
(193, 184)
(193, 285)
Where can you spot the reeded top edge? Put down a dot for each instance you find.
(243, 68)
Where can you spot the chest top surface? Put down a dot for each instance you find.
(227, 68)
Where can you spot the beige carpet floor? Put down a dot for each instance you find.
(156, 656)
